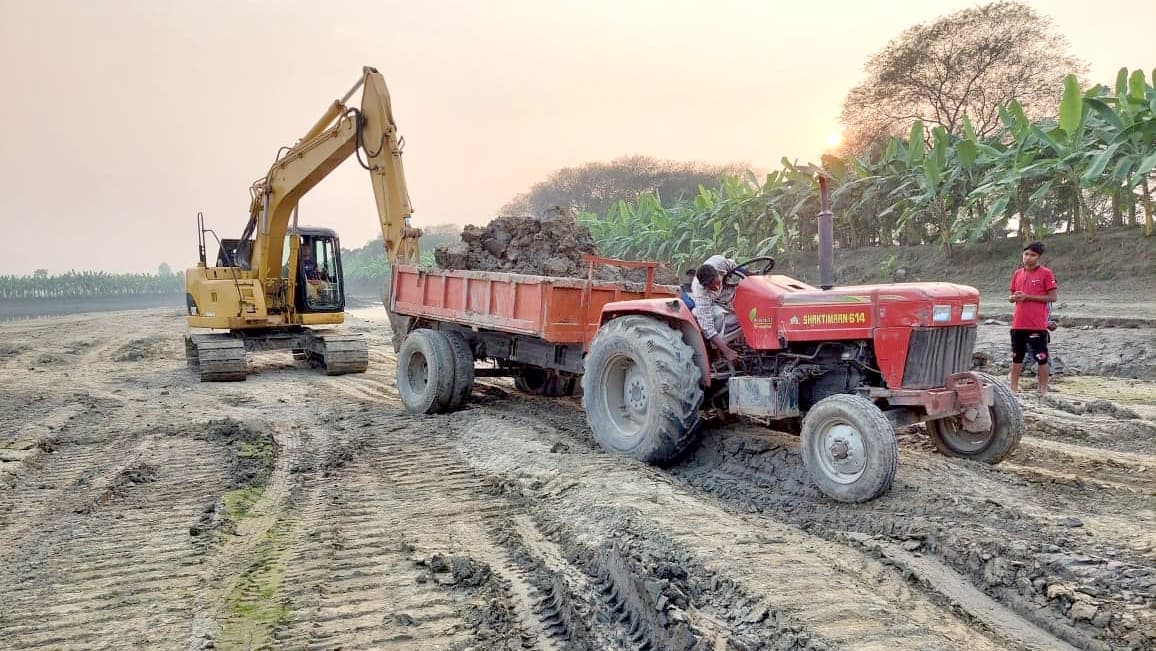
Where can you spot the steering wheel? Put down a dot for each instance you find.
(768, 264)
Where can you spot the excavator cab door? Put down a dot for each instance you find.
(320, 283)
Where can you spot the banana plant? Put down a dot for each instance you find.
(1125, 124)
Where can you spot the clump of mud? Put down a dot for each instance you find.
(457, 570)
(8, 350)
(139, 349)
(252, 450)
(134, 475)
(549, 245)
(1096, 407)
(251, 454)
(489, 614)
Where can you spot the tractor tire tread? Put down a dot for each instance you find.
(879, 435)
(675, 415)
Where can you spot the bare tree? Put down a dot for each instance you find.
(597, 186)
(967, 63)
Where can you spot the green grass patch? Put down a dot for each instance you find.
(256, 606)
(238, 502)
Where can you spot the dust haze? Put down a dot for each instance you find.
(127, 118)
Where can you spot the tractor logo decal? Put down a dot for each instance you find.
(823, 319)
(760, 322)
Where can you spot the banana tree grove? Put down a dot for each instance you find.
(1092, 166)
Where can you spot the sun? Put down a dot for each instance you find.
(834, 139)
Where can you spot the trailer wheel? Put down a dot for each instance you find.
(463, 368)
(991, 446)
(641, 389)
(425, 372)
(849, 448)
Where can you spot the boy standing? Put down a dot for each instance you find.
(1033, 289)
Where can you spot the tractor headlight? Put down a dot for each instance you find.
(970, 311)
(941, 313)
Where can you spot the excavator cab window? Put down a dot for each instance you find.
(319, 279)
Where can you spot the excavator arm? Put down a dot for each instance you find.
(370, 132)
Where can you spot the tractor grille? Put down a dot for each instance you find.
(935, 353)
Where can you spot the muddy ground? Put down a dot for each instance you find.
(142, 509)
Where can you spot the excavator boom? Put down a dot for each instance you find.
(340, 132)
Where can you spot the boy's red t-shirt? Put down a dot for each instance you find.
(1032, 315)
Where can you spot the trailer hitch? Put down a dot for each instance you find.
(971, 401)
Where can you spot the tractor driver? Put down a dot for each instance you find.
(712, 303)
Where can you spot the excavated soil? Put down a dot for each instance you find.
(550, 245)
(142, 509)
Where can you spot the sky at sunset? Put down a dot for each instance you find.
(126, 118)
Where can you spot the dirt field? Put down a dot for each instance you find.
(142, 509)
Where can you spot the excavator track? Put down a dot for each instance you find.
(339, 353)
(217, 357)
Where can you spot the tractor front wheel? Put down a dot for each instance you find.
(991, 445)
(849, 448)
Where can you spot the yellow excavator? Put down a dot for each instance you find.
(278, 280)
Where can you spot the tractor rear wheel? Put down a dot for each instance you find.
(849, 447)
(990, 446)
(425, 372)
(641, 389)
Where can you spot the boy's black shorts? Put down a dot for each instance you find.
(1036, 340)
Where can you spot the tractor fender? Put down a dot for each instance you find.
(673, 311)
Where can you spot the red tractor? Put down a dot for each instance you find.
(850, 363)
(853, 363)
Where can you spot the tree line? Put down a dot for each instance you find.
(75, 284)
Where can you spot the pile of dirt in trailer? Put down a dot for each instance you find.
(550, 245)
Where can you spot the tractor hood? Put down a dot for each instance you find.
(776, 308)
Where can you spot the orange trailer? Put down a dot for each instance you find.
(555, 310)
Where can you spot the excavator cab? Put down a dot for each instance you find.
(320, 283)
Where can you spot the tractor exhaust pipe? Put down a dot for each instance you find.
(826, 237)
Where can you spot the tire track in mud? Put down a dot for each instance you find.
(374, 513)
(111, 564)
(242, 543)
(1087, 579)
(439, 504)
(825, 590)
(981, 523)
(1081, 466)
(371, 515)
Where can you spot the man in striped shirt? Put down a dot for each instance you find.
(712, 303)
